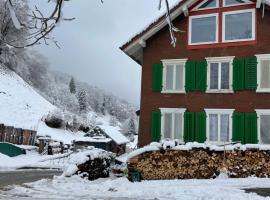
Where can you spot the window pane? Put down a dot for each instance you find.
(167, 125)
(225, 75)
(265, 129)
(179, 85)
(178, 126)
(209, 4)
(203, 29)
(213, 123)
(232, 2)
(169, 77)
(238, 26)
(224, 128)
(214, 76)
(265, 74)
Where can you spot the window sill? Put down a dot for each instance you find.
(219, 91)
(263, 91)
(173, 92)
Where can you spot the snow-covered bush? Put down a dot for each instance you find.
(55, 119)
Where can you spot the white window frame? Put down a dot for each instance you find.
(260, 58)
(237, 4)
(172, 111)
(202, 16)
(173, 62)
(218, 112)
(220, 60)
(200, 4)
(259, 113)
(253, 12)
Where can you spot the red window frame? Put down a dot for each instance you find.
(220, 12)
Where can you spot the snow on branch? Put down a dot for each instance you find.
(39, 25)
(172, 28)
(13, 16)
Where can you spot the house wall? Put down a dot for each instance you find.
(159, 47)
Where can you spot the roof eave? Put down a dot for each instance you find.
(130, 47)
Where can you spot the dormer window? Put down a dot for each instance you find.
(219, 23)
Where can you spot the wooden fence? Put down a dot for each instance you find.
(17, 135)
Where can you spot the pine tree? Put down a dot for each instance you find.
(131, 128)
(72, 86)
(82, 99)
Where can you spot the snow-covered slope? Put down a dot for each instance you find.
(20, 105)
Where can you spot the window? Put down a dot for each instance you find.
(263, 73)
(203, 29)
(220, 74)
(263, 126)
(222, 24)
(174, 76)
(234, 2)
(219, 125)
(208, 4)
(172, 123)
(239, 25)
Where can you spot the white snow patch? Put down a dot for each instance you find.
(115, 134)
(78, 188)
(21, 106)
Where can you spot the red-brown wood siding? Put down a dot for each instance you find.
(159, 47)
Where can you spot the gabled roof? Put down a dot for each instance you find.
(134, 47)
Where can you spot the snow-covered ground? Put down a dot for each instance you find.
(121, 188)
(33, 160)
(21, 106)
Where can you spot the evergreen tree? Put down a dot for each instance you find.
(131, 128)
(72, 86)
(82, 99)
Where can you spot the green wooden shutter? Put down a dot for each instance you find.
(189, 126)
(238, 127)
(238, 74)
(200, 127)
(201, 76)
(251, 73)
(251, 130)
(155, 126)
(190, 76)
(157, 76)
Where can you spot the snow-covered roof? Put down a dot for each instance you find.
(133, 48)
(94, 139)
(114, 134)
(21, 106)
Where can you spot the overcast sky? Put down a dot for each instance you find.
(90, 44)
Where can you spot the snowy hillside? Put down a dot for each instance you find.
(21, 106)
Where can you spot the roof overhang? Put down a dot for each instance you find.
(134, 47)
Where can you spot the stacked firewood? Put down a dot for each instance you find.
(95, 168)
(200, 164)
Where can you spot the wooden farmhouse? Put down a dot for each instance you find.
(214, 85)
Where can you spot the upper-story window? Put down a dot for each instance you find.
(211, 23)
(263, 75)
(203, 29)
(219, 74)
(173, 76)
